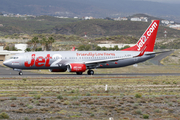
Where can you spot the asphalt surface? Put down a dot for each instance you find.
(9, 73)
(156, 60)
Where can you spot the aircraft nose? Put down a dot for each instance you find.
(6, 63)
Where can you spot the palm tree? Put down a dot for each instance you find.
(50, 41)
(34, 41)
(43, 43)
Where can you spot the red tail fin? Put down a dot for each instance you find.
(147, 39)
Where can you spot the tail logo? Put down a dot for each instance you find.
(142, 42)
(152, 29)
(144, 38)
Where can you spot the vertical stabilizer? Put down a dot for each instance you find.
(147, 39)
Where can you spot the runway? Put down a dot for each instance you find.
(156, 60)
(9, 73)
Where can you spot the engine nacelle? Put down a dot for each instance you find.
(76, 67)
(57, 70)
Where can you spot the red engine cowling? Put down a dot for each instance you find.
(76, 67)
(57, 70)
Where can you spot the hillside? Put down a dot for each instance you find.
(94, 28)
(98, 28)
(29, 25)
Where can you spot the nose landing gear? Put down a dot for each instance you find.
(19, 70)
(20, 73)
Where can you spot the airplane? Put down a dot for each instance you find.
(80, 61)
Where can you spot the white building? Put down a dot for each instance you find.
(171, 22)
(165, 22)
(124, 19)
(3, 55)
(119, 19)
(144, 19)
(176, 26)
(135, 19)
(88, 18)
(21, 47)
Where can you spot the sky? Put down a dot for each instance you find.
(164, 1)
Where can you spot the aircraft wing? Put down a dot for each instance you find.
(116, 59)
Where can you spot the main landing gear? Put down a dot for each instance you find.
(20, 73)
(90, 72)
(79, 73)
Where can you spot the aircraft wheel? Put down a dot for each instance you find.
(79, 73)
(90, 72)
(20, 73)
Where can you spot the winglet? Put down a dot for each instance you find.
(147, 39)
(73, 49)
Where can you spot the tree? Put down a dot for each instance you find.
(14, 48)
(38, 49)
(98, 48)
(28, 50)
(104, 48)
(163, 47)
(116, 47)
(43, 43)
(81, 48)
(84, 47)
(50, 41)
(11, 48)
(111, 48)
(34, 41)
(87, 47)
(155, 46)
(6, 48)
(127, 46)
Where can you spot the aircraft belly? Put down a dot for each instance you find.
(126, 62)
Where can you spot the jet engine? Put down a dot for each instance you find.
(76, 67)
(57, 70)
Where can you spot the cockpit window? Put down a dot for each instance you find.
(13, 57)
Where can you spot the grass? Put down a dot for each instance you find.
(90, 86)
(138, 95)
(96, 107)
(4, 115)
(127, 97)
